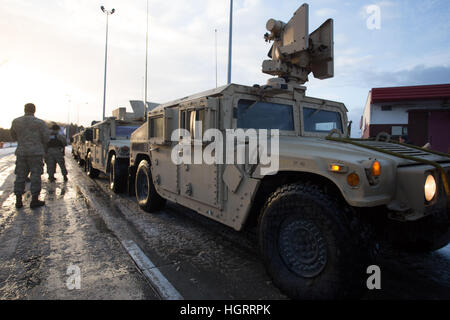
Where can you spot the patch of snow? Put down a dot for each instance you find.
(7, 151)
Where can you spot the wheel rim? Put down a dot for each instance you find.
(142, 183)
(111, 175)
(303, 248)
(111, 178)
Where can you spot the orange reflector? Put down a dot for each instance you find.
(376, 169)
(335, 168)
(353, 179)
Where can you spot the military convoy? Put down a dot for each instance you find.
(104, 147)
(79, 146)
(320, 215)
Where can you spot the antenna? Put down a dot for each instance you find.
(295, 53)
(230, 42)
(146, 69)
(215, 33)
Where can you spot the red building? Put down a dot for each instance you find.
(420, 112)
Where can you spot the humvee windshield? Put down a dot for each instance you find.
(316, 120)
(125, 131)
(264, 115)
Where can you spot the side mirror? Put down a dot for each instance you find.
(349, 129)
(159, 126)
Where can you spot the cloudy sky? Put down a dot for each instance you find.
(52, 51)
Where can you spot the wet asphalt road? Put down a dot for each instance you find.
(37, 248)
(84, 223)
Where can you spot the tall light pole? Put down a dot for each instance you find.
(230, 42)
(146, 68)
(215, 33)
(108, 13)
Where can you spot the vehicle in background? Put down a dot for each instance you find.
(76, 143)
(107, 147)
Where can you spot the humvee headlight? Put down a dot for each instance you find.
(430, 188)
(353, 180)
(376, 169)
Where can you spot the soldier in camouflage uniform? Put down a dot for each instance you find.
(32, 136)
(55, 154)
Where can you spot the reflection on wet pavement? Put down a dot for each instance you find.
(38, 246)
(84, 222)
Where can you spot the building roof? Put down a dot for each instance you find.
(428, 92)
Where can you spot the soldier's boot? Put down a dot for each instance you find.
(65, 178)
(36, 203)
(19, 203)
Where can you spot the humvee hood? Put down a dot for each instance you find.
(334, 150)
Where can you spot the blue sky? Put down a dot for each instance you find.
(52, 51)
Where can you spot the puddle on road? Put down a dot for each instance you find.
(93, 214)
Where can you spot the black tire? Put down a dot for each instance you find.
(311, 245)
(91, 172)
(146, 195)
(81, 162)
(117, 175)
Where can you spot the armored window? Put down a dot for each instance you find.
(96, 134)
(264, 115)
(157, 127)
(125, 131)
(316, 120)
(197, 123)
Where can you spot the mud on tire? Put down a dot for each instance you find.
(146, 194)
(311, 245)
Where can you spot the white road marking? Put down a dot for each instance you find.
(165, 289)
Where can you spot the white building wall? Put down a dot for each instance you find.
(398, 114)
(366, 114)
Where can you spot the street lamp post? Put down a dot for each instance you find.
(108, 13)
(146, 69)
(230, 42)
(215, 39)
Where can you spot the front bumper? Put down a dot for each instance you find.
(408, 203)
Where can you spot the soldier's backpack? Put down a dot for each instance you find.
(55, 142)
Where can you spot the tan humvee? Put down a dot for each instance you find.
(107, 149)
(320, 215)
(76, 141)
(79, 146)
